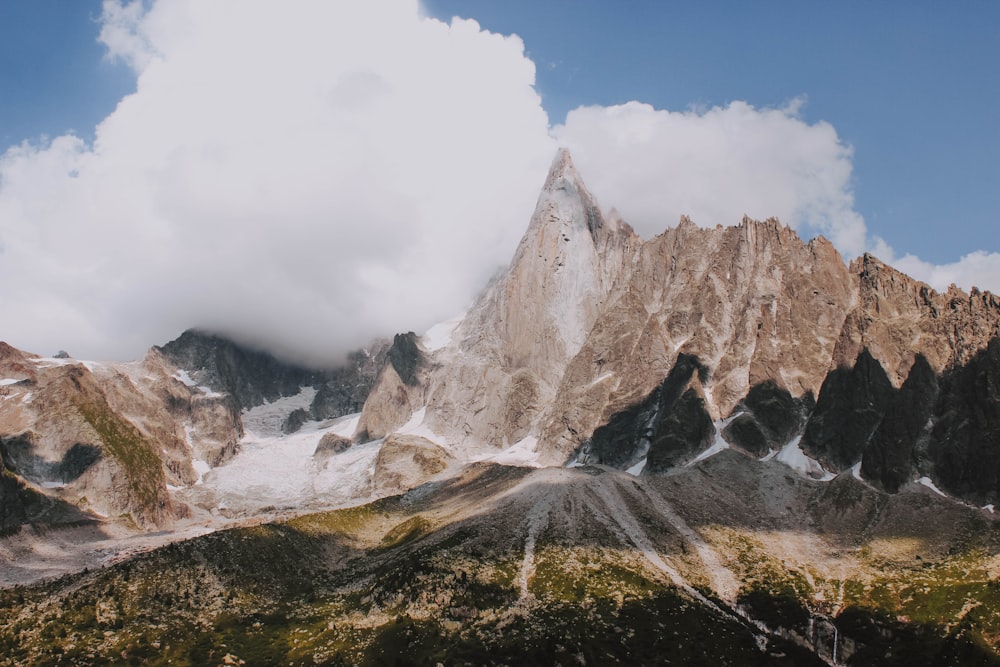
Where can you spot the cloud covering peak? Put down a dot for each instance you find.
(304, 176)
(299, 175)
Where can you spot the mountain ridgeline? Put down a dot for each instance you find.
(716, 446)
(609, 349)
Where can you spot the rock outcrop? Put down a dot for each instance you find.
(64, 433)
(89, 441)
(406, 461)
(587, 342)
(510, 352)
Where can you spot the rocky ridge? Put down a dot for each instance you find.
(758, 454)
(586, 347)
(91, 442)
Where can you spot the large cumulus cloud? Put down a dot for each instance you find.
(716, 165)
(303, 176)
(300, 175)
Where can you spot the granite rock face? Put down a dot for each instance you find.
(93, 441)
(71, 438)
(581, 342)
(406, 461)
(768, 418)
(249, 377)
(964, 446)
(508, 355)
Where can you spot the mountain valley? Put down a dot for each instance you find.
(717, 446)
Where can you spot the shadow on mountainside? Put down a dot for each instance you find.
(944, 426)
(22, 505)
(500, 564)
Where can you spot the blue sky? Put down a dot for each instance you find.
(247, 137)
(914, 87)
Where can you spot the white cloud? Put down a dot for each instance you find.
(303, 175)
(124, 33)
(716, 165)
(977, 269)
(306, 175)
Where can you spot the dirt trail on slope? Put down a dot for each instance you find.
(724, 582)
(606, 488)
(538, 519)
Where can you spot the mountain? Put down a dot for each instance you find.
(87, 443)
(716, 446)
(598, 347)
(730, 561)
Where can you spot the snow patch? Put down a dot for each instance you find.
(439, 335)
(184, 377)
(600, 379)
(856, 471)
(637, 469)
(988, 508)
(709, 399)
(720, 443)
(8, 381)
(265, 421)
(202, 468)
(415, 421)
(415, 426)
(279, 471)
(346, 426)
(523, 453)
(52, 362)
(926, 481)
(793, 457)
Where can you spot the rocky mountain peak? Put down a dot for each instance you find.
(899, 317)
(565, 206)
(547, 300)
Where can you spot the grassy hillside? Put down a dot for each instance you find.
(504, 567)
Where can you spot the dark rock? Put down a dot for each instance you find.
(781, 415)
(406, 358)
(851, 404)
(746, 432)
(22, 505)
(346, 388)
(685, 431)
(294, 421)
(19, 456)
(772, 417)
(889, 460)
(248, 377)
(77, 460)
(669, 426)
(12, 513)
(965, 440)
